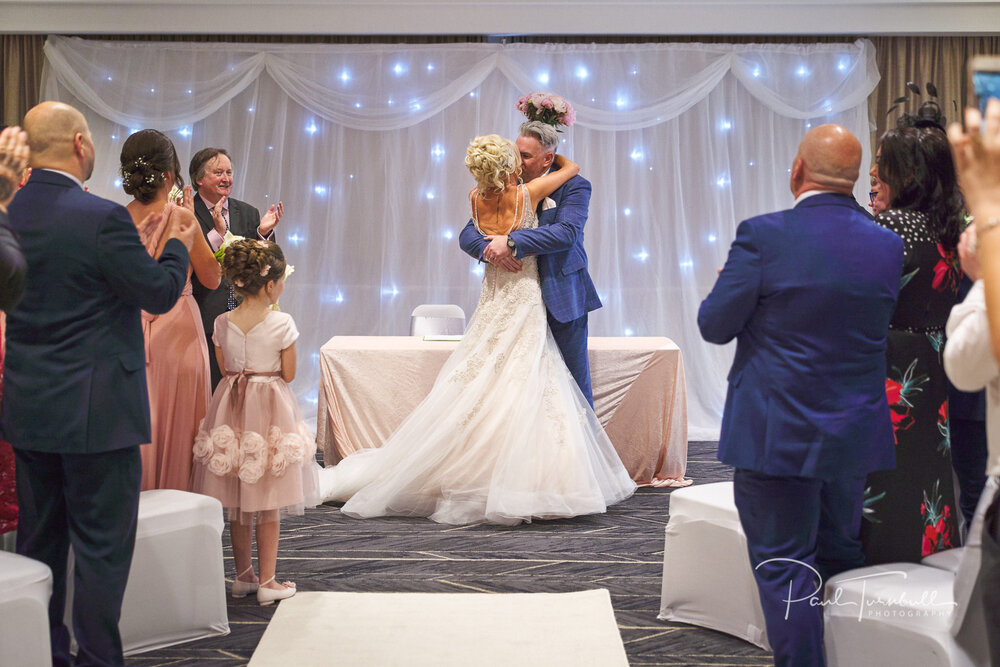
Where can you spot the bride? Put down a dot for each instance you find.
(505, 434)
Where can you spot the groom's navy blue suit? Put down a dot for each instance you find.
(75, 403)
(567, 290)
(808, 294)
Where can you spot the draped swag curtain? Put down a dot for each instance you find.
(365, 143)
(941, 59)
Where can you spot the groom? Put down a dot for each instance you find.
(567, 289)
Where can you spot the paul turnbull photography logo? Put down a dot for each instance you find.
(898, 603)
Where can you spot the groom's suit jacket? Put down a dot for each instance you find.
(808, 294)
(567, 289)
(75, 369)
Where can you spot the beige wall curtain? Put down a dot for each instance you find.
(20, 75)
(940, 60)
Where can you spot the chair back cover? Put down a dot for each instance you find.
(432, 319)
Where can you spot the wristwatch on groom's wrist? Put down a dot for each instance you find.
(510, 244)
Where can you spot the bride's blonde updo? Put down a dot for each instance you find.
(491, 160)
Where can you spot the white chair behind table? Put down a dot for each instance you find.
(707, 578)
(930, 615)
(25, 589)
(432, 319)
(176, 589)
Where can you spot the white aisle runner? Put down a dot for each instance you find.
(443, 630)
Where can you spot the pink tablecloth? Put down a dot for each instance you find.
(371, 383)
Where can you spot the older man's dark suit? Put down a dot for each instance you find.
(243, 221)
(808, 294)
(75, 404)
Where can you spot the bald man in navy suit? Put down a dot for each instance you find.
(76, 406)
(808, 294)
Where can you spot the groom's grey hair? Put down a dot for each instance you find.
(545, 133)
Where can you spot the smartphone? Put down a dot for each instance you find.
(985, 74)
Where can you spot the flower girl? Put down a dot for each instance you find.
(253, 452)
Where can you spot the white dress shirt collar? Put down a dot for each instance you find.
(811, 193)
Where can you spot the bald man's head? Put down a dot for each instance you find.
(829, 158)
(59, 139)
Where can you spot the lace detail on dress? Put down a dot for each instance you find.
(502, 298)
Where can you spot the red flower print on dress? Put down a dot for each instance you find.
(942, 424)
(937, 533)
(948, 271)
(899, 394)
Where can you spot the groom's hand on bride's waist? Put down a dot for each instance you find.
(499, 253)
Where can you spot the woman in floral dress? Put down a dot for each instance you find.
(910, 511)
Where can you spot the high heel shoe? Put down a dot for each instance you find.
(267, 596)
(241, 589)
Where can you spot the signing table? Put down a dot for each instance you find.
(371, 383)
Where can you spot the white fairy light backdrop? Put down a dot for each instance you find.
(365, 145)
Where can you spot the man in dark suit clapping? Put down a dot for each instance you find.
(75, 402)
(211, 172)
(808, 294)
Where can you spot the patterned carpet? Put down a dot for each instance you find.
(621, 551)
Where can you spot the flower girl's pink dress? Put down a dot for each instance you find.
(253, 451)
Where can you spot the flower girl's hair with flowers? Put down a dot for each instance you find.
(250, 264)
(491, 160)
(146, 157)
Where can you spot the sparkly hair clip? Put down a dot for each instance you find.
(266, 270)
(238, 282)
(127, 170)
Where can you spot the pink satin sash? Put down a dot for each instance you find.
(238, 392)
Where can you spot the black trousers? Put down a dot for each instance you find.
(89, 501)
(968, 458)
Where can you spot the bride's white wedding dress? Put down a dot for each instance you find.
(504, 436)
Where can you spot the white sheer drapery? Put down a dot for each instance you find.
(365, 145)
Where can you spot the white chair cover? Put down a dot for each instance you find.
(176, 589)
(707, 578)
(25, 589)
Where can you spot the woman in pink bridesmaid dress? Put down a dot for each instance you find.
(176, 355)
